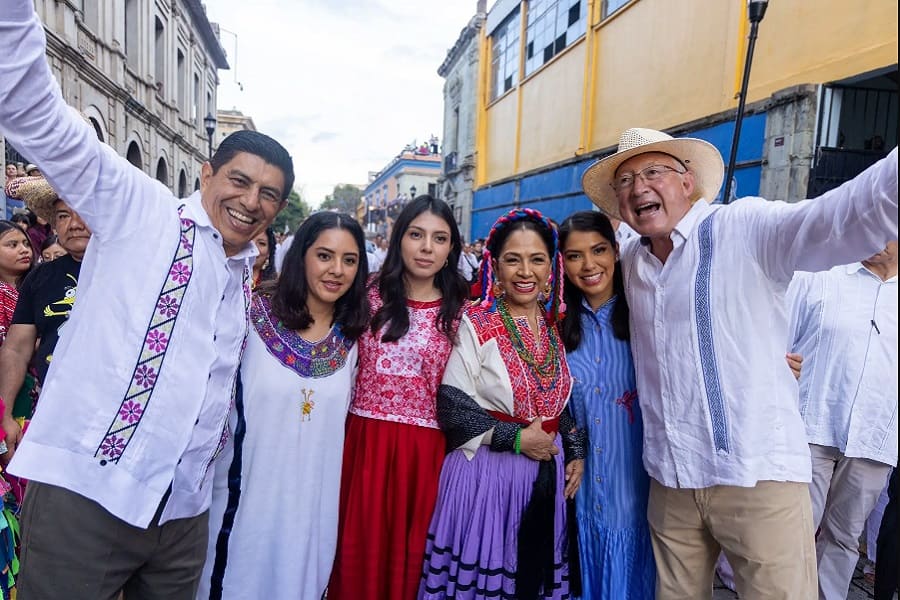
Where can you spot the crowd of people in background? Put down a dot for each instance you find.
(596, 408)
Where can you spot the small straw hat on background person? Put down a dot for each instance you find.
(37, 194)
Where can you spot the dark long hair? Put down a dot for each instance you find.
(591, 220)
(268, 272)
(6, 226)
(289, 292)
(391, 283)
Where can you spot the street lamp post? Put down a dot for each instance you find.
(209, 121)
(756, 10)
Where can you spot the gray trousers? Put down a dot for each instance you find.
(74, 549)
(843, 492)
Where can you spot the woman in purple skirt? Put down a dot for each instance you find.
(499, 525)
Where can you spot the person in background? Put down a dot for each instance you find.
(46, 298)
(16, 260)
(724, 442)
(887, 571)
(12, 204)
(844, 325)
(611, 504)
(135, 405)
(273, 520)
(32, 170)
(52, 249)
(394, 448)
(500, 523)
(264, 263)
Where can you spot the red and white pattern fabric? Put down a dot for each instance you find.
(398, 381)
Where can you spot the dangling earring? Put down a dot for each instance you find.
(265, 265)
(497, 290)
(547, 289)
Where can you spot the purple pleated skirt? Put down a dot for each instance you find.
(472, 541)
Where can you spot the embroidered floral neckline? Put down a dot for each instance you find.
(309, 359)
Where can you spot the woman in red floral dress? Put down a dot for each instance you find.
(394, 449)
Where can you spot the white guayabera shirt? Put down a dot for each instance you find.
(710, 327)
(844, 324)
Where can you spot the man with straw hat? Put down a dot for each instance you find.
(46, 296)
(136, 402)
(723, 439)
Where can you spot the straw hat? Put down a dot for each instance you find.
(37, 194)
(699, 156)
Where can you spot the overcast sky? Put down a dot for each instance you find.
(344, 85)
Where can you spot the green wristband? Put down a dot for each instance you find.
(517, 446)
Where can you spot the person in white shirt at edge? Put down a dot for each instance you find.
(724, 442)
(844, 324)
(135, 404)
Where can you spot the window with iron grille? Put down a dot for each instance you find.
(505, 55)
(552, 25)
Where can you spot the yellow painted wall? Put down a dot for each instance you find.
(552, 135)
(662, 63)
(500, 145)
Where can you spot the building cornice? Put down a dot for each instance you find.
(462, 42)
(210, 39)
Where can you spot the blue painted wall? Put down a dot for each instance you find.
(557, 193)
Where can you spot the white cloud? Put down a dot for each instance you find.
(343, 85)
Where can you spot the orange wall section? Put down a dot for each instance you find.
(500, 145)
(553, 135)
(663, 63)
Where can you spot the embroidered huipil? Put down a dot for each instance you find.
(709, 328)
(141, 383)
(398, 380)
(845, 326)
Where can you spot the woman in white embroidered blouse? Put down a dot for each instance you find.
(273, 521)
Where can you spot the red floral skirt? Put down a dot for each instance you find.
(389, 487)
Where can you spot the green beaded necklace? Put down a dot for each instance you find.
(547, 368)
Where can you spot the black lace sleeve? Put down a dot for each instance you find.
(574, 439)
(461, 419)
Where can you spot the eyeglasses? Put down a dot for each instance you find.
(652, 173)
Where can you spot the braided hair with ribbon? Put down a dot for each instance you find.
(484, 288)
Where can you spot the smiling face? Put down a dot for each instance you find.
(590, 261)
(262, 245)
(71, 231)
(242, 198)
(522, 269)
(331, 263)
(425, 246)
(654, 208)
(15, 254)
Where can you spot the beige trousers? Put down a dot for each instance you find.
(843, 492)
(766, 532)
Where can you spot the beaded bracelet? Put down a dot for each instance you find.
(517, 446)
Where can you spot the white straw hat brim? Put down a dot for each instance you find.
(699, 156)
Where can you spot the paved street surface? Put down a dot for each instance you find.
(860, 589)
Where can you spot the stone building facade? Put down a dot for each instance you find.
(144, 72)
(460, 70)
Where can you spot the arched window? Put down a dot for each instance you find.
(162, 172)
(134, 155)
(182, 184)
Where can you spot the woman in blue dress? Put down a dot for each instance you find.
(611, 505)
